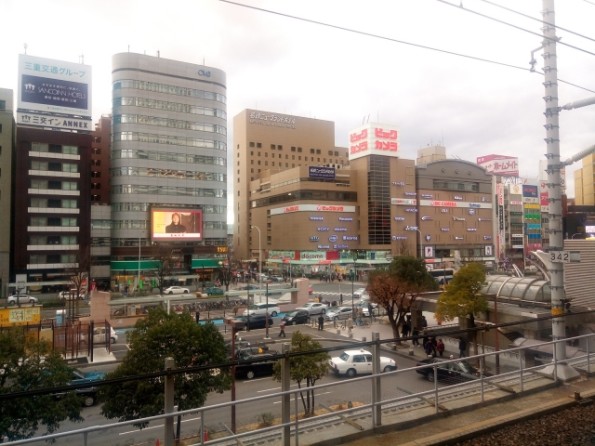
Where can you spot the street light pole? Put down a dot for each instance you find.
(352, 286)
(259, 256)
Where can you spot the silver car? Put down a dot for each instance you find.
(23, 299)
(338, 313)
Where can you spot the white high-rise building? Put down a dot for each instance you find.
(169, 155)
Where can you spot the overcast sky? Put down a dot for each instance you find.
(381, 73)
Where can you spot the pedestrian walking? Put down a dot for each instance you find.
(429, 348)
(197, 316)
(341, 299)
(415, 335)
(321, 322)
(282, 329)
(462, 347)
(406, 329)
(440, 347)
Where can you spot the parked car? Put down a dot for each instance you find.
(251, 365)
(358, 362)
(72, 294)
(263, 308)
(297, 316)
(338, 313)
(254, 321)
(22, 298)
(276, 278)
(448, 370)
(249, 287)
(314, 308)
(176, 290)
(365, 309)
(214, 291)
(88, 394)
(99, 335)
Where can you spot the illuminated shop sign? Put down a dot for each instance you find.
(426, 196)
(487, 237)
(323, 229)
(399, 237)
(458, 197)
(345, 218)
(340, 229)
(324, 246)
(445, 229)
(471, 229)
(314, 238)
(411, 210)
(458, 218)
(313, 208)
(426, 218)
(459, 238)
(373, 139)
(350, 238)
(340, 246)
(411, 194)
(332, 238)
(398, 183)
(399, 218)
(316, 218)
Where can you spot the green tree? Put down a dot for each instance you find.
(158, 336)
(462, 297)
(396, 288)
(28, 364)
(306, 369)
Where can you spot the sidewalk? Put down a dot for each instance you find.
(458, 419)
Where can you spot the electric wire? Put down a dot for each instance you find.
(538, 20)
(403, 42)
(558, 41)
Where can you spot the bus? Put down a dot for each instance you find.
(442, 276)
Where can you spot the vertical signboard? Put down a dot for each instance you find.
(373, 139)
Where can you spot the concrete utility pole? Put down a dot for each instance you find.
(550, 69)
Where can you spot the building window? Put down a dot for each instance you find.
(251, 144)
(258, 145)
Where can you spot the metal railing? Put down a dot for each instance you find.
(519, 371)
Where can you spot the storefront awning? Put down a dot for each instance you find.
(205, 263)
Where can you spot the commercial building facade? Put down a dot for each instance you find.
(7, 142)
(168, 156)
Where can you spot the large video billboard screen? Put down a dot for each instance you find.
(171, 224)
(50, 86)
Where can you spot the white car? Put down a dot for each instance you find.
(360, 292)
(176, 290)
(358, 362)
(314, 308)
(23, 299)
(272, 309)
(99, 335)
(338, 313)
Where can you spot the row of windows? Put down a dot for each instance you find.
(313, 151)
(186, 158)
(38, 183)
(40, 259)
(54, 148)
(62, 203)
(122, 242)
(100, 242)
(318, 195)
(101, 224)
(456, 185)
(169, 173)
(145, 207)
(169, 123)
(169, 89)
(152, 189)
(299, 158)
(155, 138)
(44, 221)
(53, 240)
(169, 106)
(54, 166)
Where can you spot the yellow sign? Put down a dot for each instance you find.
(20, 316)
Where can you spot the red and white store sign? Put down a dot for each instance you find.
(373, 139)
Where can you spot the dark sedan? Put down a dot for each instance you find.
(254, 321)
(449, 371)
(297, 317)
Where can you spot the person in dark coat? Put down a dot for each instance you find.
(462, 347)
(321, 322)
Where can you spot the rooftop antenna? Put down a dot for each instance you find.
(25, 45)
(158, 53)
(82, 59)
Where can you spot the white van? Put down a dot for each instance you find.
(272, 309)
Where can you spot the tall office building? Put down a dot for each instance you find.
(168, 161)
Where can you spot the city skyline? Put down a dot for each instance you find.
(279, 63)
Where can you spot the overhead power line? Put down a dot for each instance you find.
(538, 19)
(403, 42)
(485, 16)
